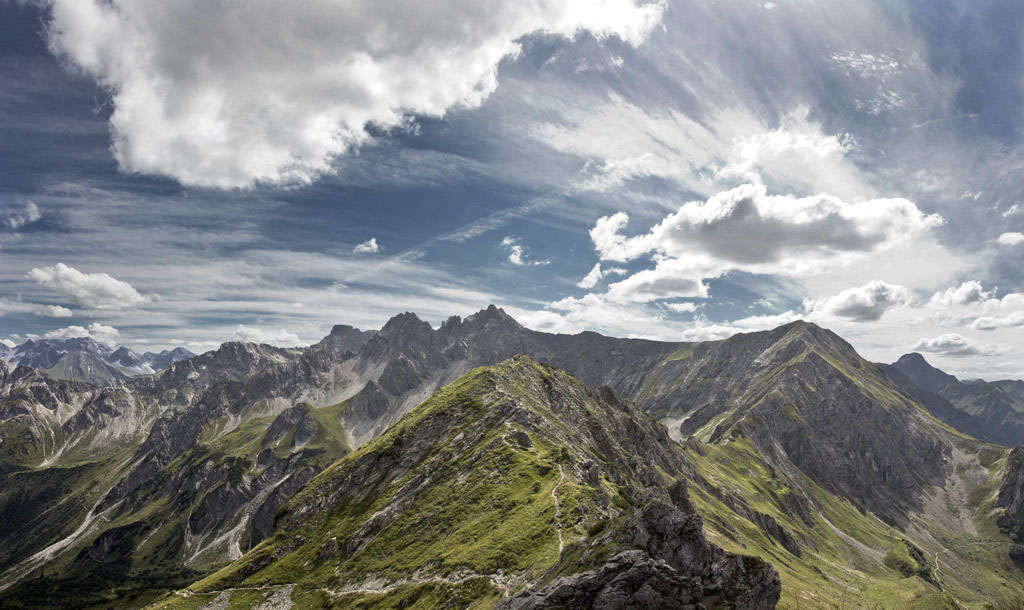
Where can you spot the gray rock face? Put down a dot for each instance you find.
(1011, 386)
(126, 357)
(669, 565)
(630, 580)
(941, 408)
(1011, 496)
(807, 400)
(288, 419)
(44, 353)
(163, 359)
(346, 339)
(987, 411)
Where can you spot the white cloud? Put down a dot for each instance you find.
(864, 303)
(622, 141)
(768, 322)
(591, 278)
(795, 153)
(18, 220)
(49, 311)
(591, 312)
(706, 330)
(53, 311)
(952, 344)
(964, 294)
(745, 229)
(228, 94)
(517, 253)
(684, 307)
(596, 274)
(969, 304)
(99, 332)
(1014, 318)
(1013, 209)
(1011, 239)
(709, 332)
(367, 247)
(278, 337)
(201, 346)
(91, 290)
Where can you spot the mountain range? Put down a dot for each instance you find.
(483, 464)
(991, 411)
(85, 359)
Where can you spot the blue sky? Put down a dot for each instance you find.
(681, 170)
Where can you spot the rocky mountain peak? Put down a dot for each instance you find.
(345, 338)
(166, 357)
(919, 371)
(126, 357)
(492, 315)
(406, 323)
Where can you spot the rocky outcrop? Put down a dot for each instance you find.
(163, 359)
(631, 579)
(1011, 496)
(346, 339)
(668, 564)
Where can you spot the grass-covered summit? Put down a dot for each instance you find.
(516, 485)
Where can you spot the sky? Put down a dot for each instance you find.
(189, 173)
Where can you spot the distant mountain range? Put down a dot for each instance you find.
(482, 464)
(990, 411)
(84, 359)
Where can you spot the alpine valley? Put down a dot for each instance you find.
(481, 464)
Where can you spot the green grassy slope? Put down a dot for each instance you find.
(509, 478)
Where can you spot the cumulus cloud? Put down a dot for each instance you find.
(259, 335)
(91, 290)
(952, 344)
(864, 303)
(745, 229)
(102, 333)
(1014, 318)
(980, 309)
(231, 93)
(964, 294)
(53, 311)
(20, 219)
(367, 247)
(596, 274)
(517, 253)
(1011, 239)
